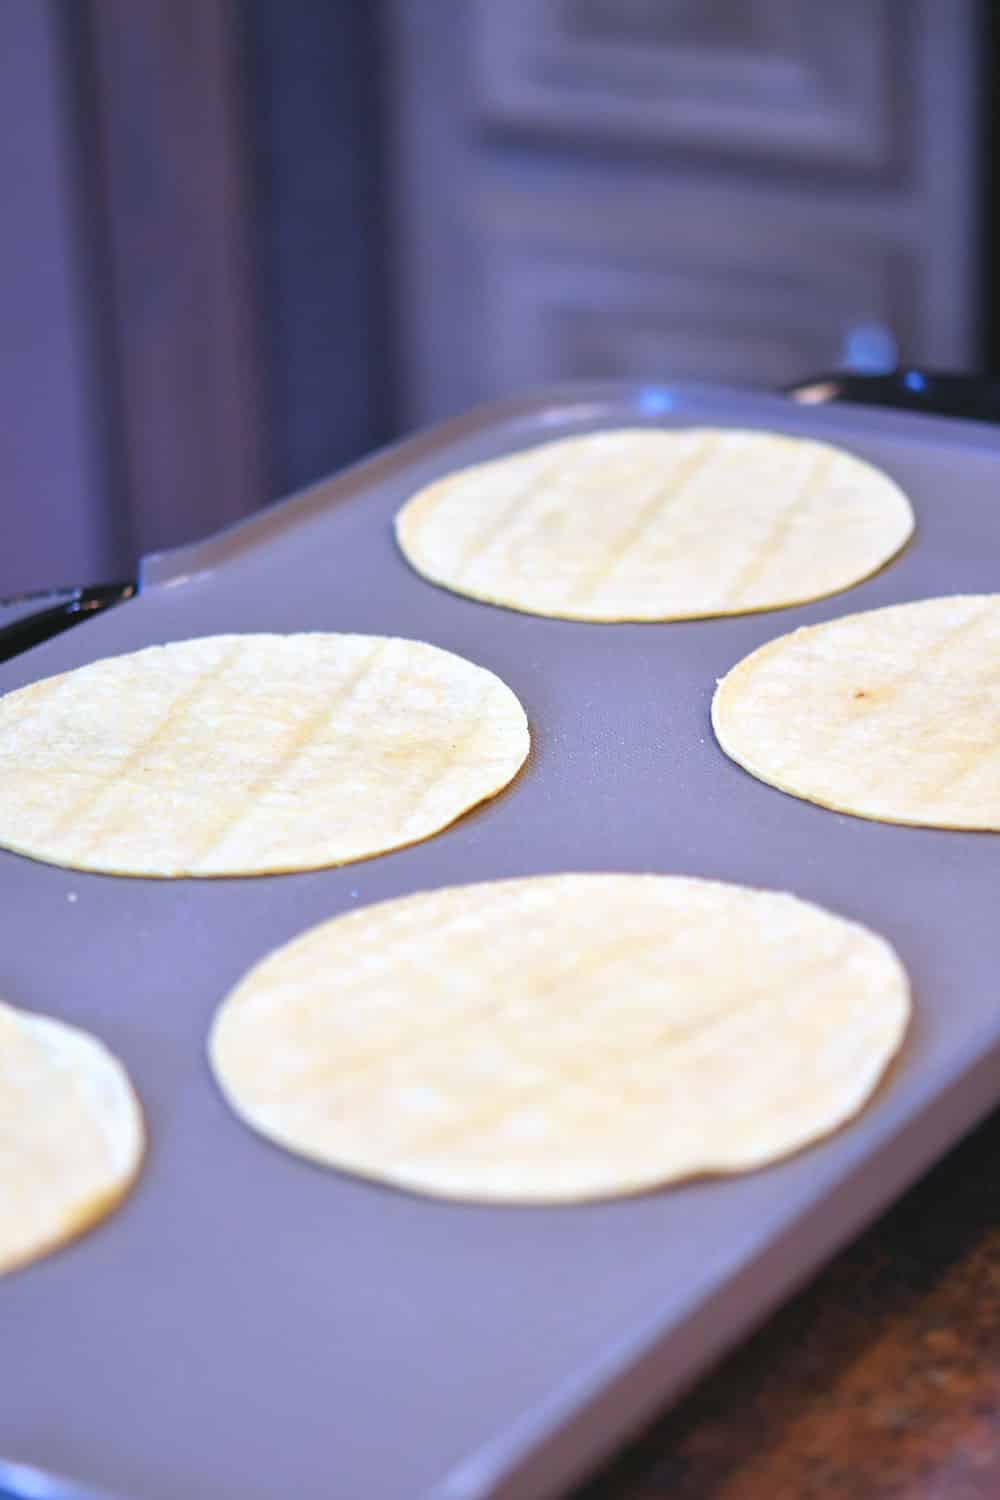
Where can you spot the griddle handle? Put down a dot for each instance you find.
(33, 618)
(936, 393)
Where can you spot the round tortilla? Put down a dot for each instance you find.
(252, 754)
(893, 714)
(644, 524)
(71, 1134)
(562, 1038)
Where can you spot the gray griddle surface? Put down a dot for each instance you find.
(251, 1325)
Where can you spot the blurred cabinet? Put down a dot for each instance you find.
(192, 314)
(58, 524)
(808, 83)
(747, 190)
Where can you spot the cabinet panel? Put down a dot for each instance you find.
(685, 287)
(744, 190)
(810, 83)
(600, 322)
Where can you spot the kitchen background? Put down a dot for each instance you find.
(246, 241)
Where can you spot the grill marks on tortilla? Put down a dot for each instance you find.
(183, 706)
(650, 515)
(644, 524)
(563, 1037)
(252, 754)
(811, 486)
(301, 738)
(893, 714)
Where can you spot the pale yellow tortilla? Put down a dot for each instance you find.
(642, 524)
(244, 755)
(71, 1134)
(893, 714)
(562, 1038)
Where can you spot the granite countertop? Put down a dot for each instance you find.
(881, 1381)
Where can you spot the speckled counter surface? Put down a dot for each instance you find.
(881, 1381)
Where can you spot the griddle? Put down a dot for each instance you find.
(251, 1325)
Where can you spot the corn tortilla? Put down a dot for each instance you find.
(562, 1038)
(644, 524)
(252, 754)
(893, 714)
(71, 1134)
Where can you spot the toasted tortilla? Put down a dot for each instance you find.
(645, 524)
(893, 714)
(562, 1038)
(252, 754)
(71, 1134)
